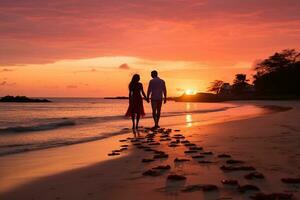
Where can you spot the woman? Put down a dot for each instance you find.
(136, 108)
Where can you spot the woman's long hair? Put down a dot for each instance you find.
(134, 81)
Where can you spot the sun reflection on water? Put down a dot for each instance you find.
(189, 120)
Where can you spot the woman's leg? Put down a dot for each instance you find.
(137, 120)
(132, 118)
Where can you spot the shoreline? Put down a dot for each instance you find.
(266, 109)
(118, 172)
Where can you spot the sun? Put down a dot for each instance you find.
(190, 92)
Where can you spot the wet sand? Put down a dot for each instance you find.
(269, 143)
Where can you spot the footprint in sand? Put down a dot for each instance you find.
(200, 187)
(291, 180)
(176, 177)
(247, 188)
(262, 196)
(254, 175)
(235, 162)
(147, 160)
(181, 160)
(162, 167)
(224, 156)
(230, 182)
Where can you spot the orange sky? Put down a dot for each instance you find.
(91, 48)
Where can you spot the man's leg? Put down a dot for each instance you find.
(159, 103)
(154, 109)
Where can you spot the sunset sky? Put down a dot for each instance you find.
(91, 48)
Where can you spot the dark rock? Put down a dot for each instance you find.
(237, 168)
(176, 177)
(273, 196)
(291, 180)
(158, 156)
(230, 182)
(173, 145)
(205, 162)
(162, 167)
(150, 136)
(181, 160)
(207, 153)
(253, 175)
(137, 144)
(162, 140)
(124, 145)
(190, 151)
(185, 141)
(195, 148)
(192, 188)
(198, 156)
(189, 144)
(224, 156)
(176, 130)
(159, 152)
(151, 172)
(246, 188)
(142, 147)
(154, 143)
(207, 188)
(146, 160)
(235, 162)
(122, 140)
(123, 149)
(116, 151)
(149, 149)
(178, 137)
(200, 187)
(22, 99)
(113, 154)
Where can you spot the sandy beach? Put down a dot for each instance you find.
(268, 144)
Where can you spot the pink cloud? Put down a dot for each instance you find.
(6, 70)
(38, 32)
(6, 83)
(124, 66)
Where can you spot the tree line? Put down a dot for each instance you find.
(279, 74)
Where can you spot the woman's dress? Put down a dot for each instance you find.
(135, 101)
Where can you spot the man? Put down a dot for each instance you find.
(157, 89)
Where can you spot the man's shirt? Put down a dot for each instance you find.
(157, 87)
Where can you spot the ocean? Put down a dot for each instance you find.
(66, 121)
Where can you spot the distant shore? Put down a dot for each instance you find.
(22, 99)
(210, 97)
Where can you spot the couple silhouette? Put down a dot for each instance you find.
(157, 92)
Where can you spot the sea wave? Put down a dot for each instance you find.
(56, 123)
(38, 127)
(24, 147)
